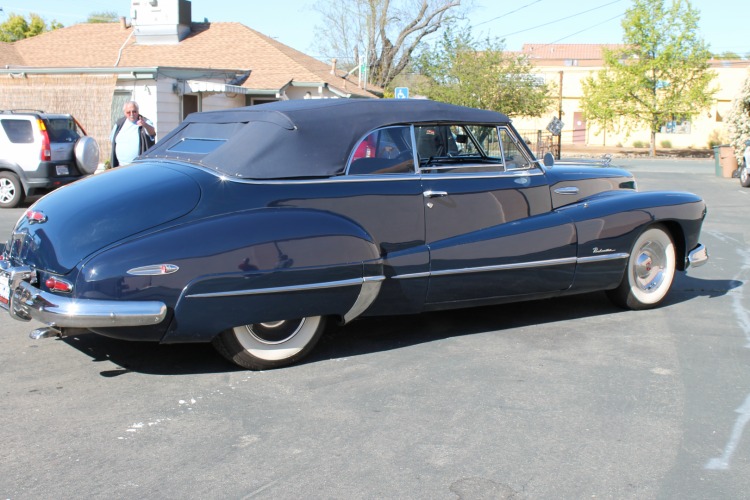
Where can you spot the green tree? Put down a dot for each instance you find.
(103, 17)
(661, 73)
(17, 27)
(727, 54)
(382, 34)
(738, 120)
(460, 70)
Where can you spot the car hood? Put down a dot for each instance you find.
(76, 221)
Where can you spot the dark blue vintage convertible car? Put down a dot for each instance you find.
(251, 227)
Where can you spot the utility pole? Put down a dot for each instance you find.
(559, 116)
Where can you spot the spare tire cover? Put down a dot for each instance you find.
(87, 154)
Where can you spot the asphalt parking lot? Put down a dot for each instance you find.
(568, 398)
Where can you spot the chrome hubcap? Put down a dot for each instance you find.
(649, 267)
(275, 332)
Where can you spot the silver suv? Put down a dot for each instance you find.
(41, 151)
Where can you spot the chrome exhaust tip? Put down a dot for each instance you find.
(46, 332)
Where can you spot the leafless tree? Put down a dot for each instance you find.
(383, 33)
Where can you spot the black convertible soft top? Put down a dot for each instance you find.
(299, 138)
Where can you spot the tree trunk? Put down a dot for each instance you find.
(652, 151)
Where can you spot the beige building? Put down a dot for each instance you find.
(567, 65)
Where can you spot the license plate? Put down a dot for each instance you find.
(4, 288)
(62, 170)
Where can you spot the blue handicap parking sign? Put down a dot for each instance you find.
(402, 92)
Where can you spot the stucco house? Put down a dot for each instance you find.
(567, 65)
(170, 65)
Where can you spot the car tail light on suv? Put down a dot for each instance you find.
(46, 146)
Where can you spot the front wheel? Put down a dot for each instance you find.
(649, 273)
(270, 345)
(745, 176)
(11, 190)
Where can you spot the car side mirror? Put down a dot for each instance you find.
(549, 159)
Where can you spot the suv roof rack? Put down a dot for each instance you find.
(21, 111)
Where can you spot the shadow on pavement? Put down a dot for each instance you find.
(377, 334)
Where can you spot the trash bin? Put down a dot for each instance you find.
(726, 162)
(717, 165)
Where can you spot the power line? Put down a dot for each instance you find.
(586, 29)
(506, 14)
(561, 19)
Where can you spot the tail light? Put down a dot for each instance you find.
(46, 147)
(58, 285)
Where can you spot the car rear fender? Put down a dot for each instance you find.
(256, 266)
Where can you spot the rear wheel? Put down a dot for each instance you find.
(11, 190)
(650, 271)
(270, 345)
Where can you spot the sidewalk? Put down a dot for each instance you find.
(583, 151)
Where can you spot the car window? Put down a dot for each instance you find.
(196, 146)
(18, 131)
(458, 148)
(62, 130)
(384, 151)
(514, 155)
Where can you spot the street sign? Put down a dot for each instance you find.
(555, 126)
(402, 92)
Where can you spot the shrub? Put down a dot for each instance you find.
(738, 120)
(715, 139)
(639, 144)
(666, 144)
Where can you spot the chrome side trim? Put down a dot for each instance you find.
(29, 303)
(518, 265)
(284, 289)
(367, 295)
(505, 267)
(335, 179)
(697, 256)
(153, 270)
(600, 258)
(425, 274)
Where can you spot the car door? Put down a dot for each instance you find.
(489, 224)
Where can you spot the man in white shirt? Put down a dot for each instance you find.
(131, 136)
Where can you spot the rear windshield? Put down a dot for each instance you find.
(62, 130)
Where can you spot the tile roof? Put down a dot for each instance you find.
(9, 55)
(222, 45)
(587, 54)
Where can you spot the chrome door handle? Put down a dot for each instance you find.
(567, 190)
(434, 194)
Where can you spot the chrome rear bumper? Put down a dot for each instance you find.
(26, 302)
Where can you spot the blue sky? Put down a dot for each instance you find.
(724, 24)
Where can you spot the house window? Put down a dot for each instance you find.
(676, 125)
(119, 99)
(254, 101)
